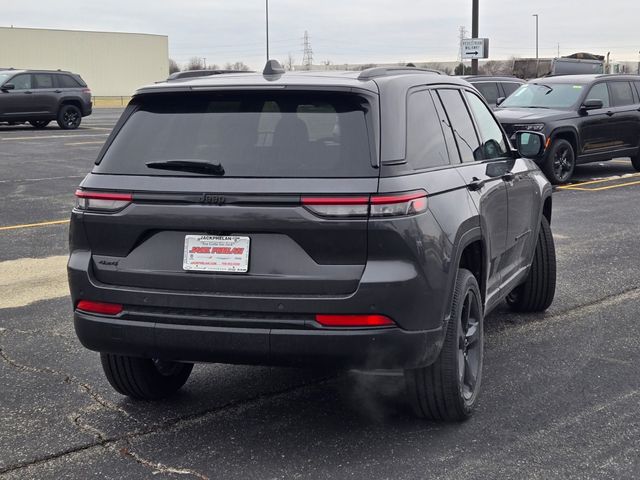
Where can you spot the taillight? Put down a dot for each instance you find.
(99, 307)
(391, 205)
(354, 320)
(86, 90)
(102, 201)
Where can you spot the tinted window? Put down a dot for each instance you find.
(259, 134)
(489, 91)
(493, 142)
(425, 141)
(43, 80)
(510, 87)
(454, 156)
(67, 81)
(22, 82)
(621, 93)
(599, 92)
(462, 125)
(637, 88)
(545, 95)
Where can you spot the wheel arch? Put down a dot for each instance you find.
(569, 134)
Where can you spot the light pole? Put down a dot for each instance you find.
(536, 15)
(267, 21)
(475, 13)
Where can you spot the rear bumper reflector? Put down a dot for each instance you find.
(354, 320)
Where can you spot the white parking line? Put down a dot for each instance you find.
(48, 137)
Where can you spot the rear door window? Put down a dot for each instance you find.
(599, 92)
(510, 87)
(489, 91)
(462, 125)
(251, 134)
(43, 80)
(621, 93)
(426, 146)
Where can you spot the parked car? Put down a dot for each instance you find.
(494, 89)
(198, 73)
(576, 64)
(585, 118)
(40, 96)
(361, 219)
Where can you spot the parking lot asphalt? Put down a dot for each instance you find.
(560, 395)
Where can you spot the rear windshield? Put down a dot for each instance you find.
(250, 134)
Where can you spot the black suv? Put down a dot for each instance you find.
(586, 118)
(40, 96)
(365, 220)
(494, 89)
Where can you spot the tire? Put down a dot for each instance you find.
(448, 389)
(560, 162)
(635, 161)
(69, 117)
(144, 378)
(538, 290)
(39, 124)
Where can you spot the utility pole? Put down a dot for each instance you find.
(307, 53)
(474, 32)
(537, 57)
(267, 22)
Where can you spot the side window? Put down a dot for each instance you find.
(621, 93)
(599, 92)
(462, 125)
(489, 91)
(493, 142)
(22, 82)
(425, 141)
(66, 81)
(43, 80)
(510, 87)
(454, 155)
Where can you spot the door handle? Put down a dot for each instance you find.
(58, 91)
(28, 92)
(507, 177)
(476, 184)
(610, 113)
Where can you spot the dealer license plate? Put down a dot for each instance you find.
(209, 253)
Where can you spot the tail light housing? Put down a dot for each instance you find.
(354, 321)
(388, 205)
(102, 201)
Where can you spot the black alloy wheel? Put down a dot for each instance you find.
(561, 162)
(69, 117)
(39, 124)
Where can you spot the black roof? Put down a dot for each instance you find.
(585, 78)
(495, 78)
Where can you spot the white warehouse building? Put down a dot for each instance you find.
(112, 64)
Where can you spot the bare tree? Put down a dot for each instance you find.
(173, 66)
(240, 66)
(495, 67)
(195, 63)
(289, 62)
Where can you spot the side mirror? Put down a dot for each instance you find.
(500, 100)
(8, 86)
(530, 144)
(592, 104)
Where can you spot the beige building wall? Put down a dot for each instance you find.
(112, 64)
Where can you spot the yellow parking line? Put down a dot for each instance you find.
(30, 225)
(613, 186)
(574, 186)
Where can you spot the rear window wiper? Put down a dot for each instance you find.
(193, 166)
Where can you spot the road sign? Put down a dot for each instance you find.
(475, 48)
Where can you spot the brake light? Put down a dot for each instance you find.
(86, 90)
(99, 307)
(402, 204)
(102, 201)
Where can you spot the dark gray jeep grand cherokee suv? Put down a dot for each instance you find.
(366, 220)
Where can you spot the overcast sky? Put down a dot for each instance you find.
(348, 31)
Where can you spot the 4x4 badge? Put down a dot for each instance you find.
(211, 199)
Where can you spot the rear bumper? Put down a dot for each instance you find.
(371, 348)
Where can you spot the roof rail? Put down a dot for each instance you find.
(375, 72)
